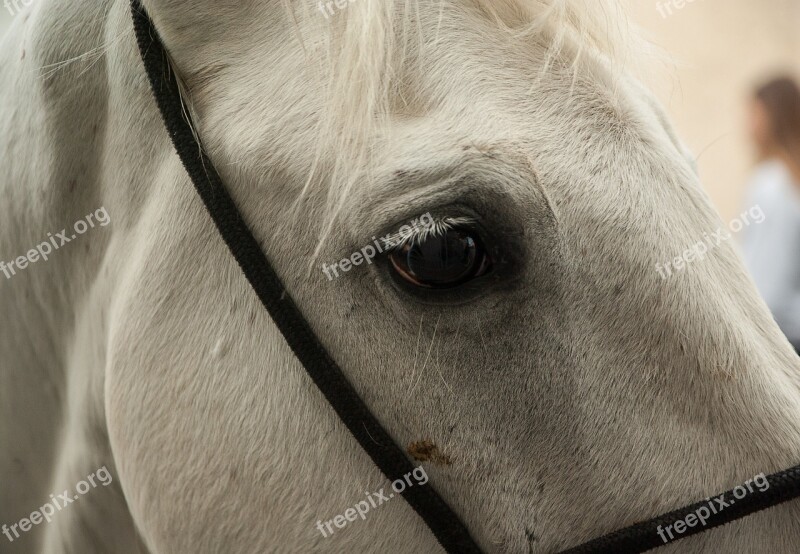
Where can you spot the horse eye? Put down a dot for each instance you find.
(441, 261)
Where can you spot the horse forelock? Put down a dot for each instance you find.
(369, 43)
(361, 53)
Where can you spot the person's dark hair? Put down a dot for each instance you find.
(781, 99)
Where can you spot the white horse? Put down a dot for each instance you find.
(561, 391)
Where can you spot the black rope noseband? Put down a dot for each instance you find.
(326, 374)
(641, 537)
(373, 438)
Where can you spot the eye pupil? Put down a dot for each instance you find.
(442, 261)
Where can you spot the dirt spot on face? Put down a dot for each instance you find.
(427, 451)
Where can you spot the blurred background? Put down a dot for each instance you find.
(720, 49)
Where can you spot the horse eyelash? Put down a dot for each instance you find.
(421, 233)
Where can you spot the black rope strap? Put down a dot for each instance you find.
(783, 486)
(373, 438)
(323, 370)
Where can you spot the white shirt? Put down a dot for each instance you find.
(772, 248)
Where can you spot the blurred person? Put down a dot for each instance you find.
(772, 249)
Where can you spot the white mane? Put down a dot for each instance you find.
(369, 45)
(362, 53)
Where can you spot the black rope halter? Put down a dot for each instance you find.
(326, 374)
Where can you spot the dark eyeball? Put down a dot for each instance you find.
(440, 261)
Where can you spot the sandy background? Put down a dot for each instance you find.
(720, 49)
